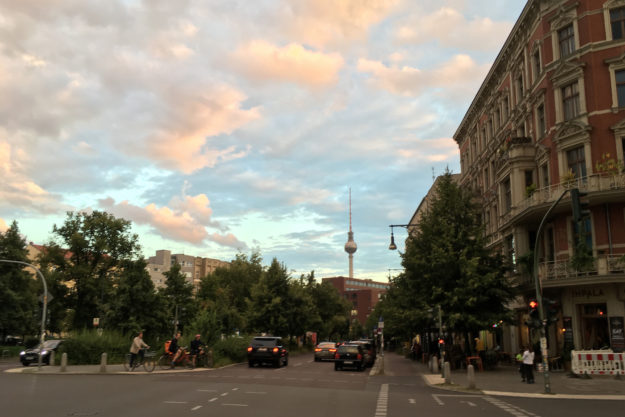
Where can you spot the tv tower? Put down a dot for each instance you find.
(350, 246)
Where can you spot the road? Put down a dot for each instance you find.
(303, 389)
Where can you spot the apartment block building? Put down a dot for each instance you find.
(550, 117)
(193, 267)
(363, 294)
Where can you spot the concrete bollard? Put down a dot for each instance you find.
(103, 363)
(434, 365)
(64, 362)
(447, 372)
(471, 376)
(51, 361)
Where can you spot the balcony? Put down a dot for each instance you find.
(606, 269)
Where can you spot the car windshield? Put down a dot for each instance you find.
(348, 349)
(326, 345)
(51, 344)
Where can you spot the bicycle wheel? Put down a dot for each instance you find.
(186, 362)
(127, 362)
(164, 362)
(149, 364)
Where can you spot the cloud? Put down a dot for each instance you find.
(329, 22)
(185, 221)
(262, 60)
(451, 29)
(460, 74)
(17, 190)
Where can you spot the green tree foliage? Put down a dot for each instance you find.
(178, 295)
(97, 243)
(18, 288)
(332, 312)
(447, 263)
(136, 304)
(267, 312)
(57, 314)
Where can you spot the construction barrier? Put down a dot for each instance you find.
(597, 362)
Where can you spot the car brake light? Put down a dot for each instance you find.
(359, 357)
(249, 349)
(317, 350)
(336, 356)
(332, 350)
(275, 350)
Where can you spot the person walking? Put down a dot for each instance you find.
(136, 348)
(528, 364)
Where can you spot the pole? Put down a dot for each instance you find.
(441, 352)
(539, 299)
(45, 304)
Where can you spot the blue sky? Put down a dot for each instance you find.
(230, 126)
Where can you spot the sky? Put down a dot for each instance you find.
(232, 126)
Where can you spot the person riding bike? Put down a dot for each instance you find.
(196, 348)
(136, 348)
(174, 350)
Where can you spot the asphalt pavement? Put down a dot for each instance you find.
(504, 380)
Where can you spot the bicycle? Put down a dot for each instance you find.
(164, 362)
(201, 359)
(148, 361)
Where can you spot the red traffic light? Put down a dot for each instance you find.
(533, 304)
(441, 341)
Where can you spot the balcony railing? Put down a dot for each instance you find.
(604, 266)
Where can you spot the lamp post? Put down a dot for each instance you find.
(393, 246)
(45, 304)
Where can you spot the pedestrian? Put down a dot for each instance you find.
(196, 348)
(174, 350)
(528, 364)
(519, 360)
(137, 347)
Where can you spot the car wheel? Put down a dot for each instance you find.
(250, 364)
(277, 363)
(317, 359)
(286, 361)
(336, 367)
(25, 363)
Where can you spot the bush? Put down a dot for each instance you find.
(232, 349)
(86, 347)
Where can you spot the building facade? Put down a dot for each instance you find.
(193, 267)
(363, 294)
(548, 118)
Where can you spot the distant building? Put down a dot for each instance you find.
(193, 267)
(364, 294)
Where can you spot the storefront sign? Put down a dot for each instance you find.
(586, 294)
(617, 338)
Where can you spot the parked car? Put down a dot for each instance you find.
(349, 355)
(325, 351)
(29, 356)
(267, 349)
(369, 350)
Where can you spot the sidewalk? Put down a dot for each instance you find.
(114, 369)
(505, 380)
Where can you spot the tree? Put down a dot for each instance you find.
(178, 294)
(97, 243)
(268, 299)
(332, 311)
(447, 264)
(18, 288)
(136, 304)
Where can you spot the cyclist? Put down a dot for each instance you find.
(196, 347)
(137, 347)
(174, 350)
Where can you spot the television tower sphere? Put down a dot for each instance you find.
(350, 246)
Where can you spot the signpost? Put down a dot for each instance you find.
(381, 328)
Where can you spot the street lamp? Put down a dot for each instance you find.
(393, 246)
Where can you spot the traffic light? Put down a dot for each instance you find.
(579, 206)
(533, 320)
(551, 310)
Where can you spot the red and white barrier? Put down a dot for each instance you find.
(597, 362)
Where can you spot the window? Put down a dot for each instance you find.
(566, 39)
(545, 175)
(510, 251)
(497, 119)
(570, 101)
(619, 77)
(529, 177)
(576, 159)
(507, 195)
(541, 126)
(536, 64)
(506, 108)
(617, 20)
(519, 87)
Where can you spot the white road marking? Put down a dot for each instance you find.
(235, 405)
(175, 402)
(212, 399)
(256, 392)
(382, 404)
(509, 408)
(437, 399)
(412, 401)
(207, 390)
(235, 389)
(469, 403)
(224, 394)
(197, 407)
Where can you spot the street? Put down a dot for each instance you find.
(304, 388)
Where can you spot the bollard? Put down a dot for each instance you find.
(51, 359)
(430, 365)
(434, 365)
(64, 362)
(103, 363)
(210, 358)
(447, 372)
(471, 376)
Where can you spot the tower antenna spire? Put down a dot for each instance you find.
(350, 246)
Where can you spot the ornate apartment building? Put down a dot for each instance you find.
(549, 117)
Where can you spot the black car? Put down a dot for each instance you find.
(269, 350)
(369, 350)
(29, 356)
(349, 355)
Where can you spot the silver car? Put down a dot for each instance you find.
(325, 351)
